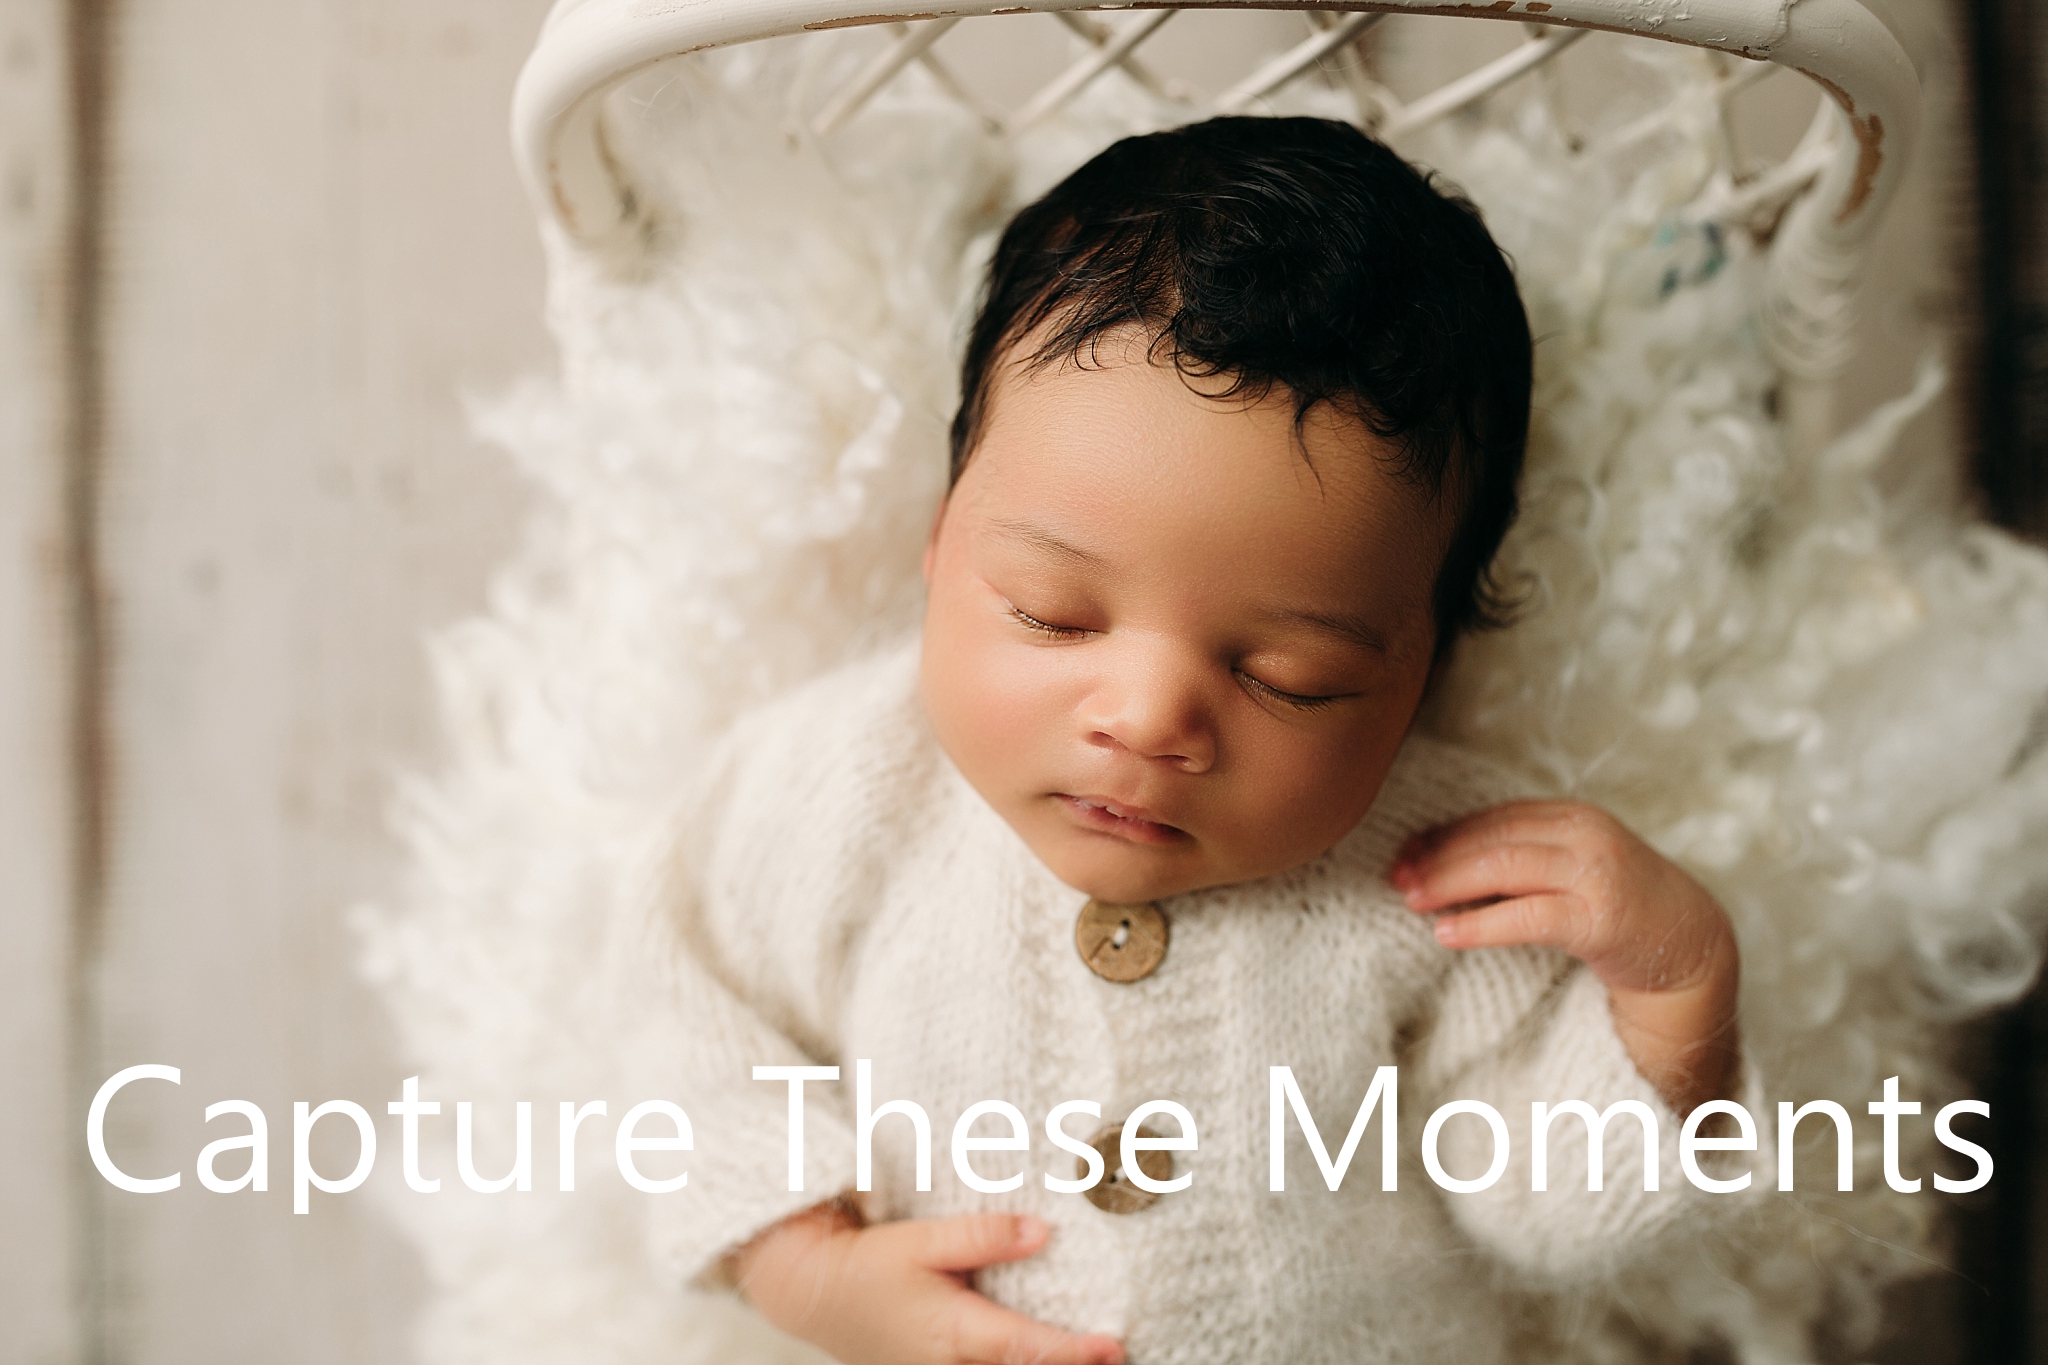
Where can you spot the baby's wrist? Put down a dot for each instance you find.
(1685, 1043)
(757, 1263)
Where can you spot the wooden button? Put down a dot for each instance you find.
(1114, 1193)
(1121, 942)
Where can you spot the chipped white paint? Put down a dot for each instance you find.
(589, 46)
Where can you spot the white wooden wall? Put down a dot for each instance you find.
(314, 246)
(311, 247)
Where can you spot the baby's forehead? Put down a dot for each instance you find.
(1128, 395)
(1124, 463)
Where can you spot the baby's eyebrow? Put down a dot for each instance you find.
(1356, 629)
(1045, 540)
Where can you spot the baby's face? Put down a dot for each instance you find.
(1168, 650)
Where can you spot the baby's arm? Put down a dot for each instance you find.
(1569, 875)
(899, 1293)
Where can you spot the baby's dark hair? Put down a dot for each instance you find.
(1290, 252)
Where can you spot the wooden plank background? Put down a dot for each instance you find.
(304, 245)
(313, 246)
(39, 1253)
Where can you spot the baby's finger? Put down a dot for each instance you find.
(1460, 876)
(1555, 921)
(973, 1240)
(1512, 822)
(988, 1335)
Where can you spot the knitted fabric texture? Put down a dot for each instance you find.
(1825, 702)
(858, 900)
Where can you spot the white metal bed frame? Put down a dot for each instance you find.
(1837, 182)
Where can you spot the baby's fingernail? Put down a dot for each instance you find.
(1031, 1228)
(1446, 931)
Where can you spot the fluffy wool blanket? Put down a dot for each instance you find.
(1828, 701)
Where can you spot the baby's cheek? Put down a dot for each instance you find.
(980, 694)
(996, 735)
(1309, 797)
(1305, 825)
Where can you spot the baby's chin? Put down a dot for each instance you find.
(1120, 873)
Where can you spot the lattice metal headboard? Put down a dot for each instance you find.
(1841, 174)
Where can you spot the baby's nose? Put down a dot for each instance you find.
(1161, 718)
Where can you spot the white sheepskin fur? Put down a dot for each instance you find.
(1831, 706)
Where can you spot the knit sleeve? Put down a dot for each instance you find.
(772, 876)
(1515, 1027)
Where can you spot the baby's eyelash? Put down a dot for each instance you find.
(1299, 703)
(1030, 622)
(1046, 628)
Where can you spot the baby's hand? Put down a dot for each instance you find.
(898, 1293)
(1569, 875)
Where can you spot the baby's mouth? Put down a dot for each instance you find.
(1120, 820)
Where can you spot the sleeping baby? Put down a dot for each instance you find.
(1142, 815)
